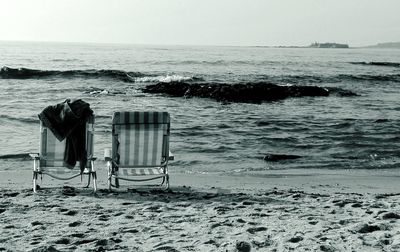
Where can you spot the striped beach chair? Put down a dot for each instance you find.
(50, 159)
(140, 148)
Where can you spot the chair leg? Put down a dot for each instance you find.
(163, 181)
(109, 175)
(34, 181)
(94, 181)
(88, 183)
(167, 182)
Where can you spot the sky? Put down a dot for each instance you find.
(202, 22)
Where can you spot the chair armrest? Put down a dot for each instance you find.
(34, 156)
(93, 158)
(171, 156)
(107, 154)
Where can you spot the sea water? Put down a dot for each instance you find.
(334, 132)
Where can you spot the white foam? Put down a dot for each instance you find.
(163, 78)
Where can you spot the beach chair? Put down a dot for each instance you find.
(50, 159)
(140, 148)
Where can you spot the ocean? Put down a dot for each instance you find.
(208, 136)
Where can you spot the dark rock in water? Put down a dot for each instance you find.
(263, 123)
(248, 92)
(381, 120)
(279, 157)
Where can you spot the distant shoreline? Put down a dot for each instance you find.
(386, 45)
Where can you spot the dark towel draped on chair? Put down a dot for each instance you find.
(68, 120)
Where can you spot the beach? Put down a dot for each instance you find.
(332, 210)
(282, 118)
(288, 171)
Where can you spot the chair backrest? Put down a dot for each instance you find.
(52, 151)
(140, 139)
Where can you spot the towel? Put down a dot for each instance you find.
(67, 120)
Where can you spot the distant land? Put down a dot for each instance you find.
(390, 45)
(385, 45)
(328, 45)
(319, 45)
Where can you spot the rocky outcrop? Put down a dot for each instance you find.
(279, 157)
(248, 92)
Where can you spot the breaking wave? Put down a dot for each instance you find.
(138, 77)
(307, 79)
(377, 63)
(166, 78)
(26, 73)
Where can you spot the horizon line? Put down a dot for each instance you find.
(197, 45)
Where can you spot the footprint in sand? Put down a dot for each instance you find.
(78, 235)
(368, 228)
(75, 224)
(62, 241)
(36, 223)
(104, 217)
(390, 215)
(71, 213)
(256, 230)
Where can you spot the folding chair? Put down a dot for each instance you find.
(140, 148)
(50, 160)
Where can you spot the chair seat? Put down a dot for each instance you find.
(140, 172)
(63, 170)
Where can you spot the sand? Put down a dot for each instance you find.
(334, 210)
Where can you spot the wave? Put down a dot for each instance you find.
(65, 60)
(377, 63)
(138, 77)
(26, 73)
(308, 79)
(20, 119)
(167, 78)
(23, 156)
(222, 62)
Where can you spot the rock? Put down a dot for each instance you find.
(279, 157)
(246, 92)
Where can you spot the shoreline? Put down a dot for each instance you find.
(310, 180)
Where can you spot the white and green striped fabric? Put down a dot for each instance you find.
(52, 150)
(140, 140)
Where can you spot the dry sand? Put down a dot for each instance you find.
(280, 211)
